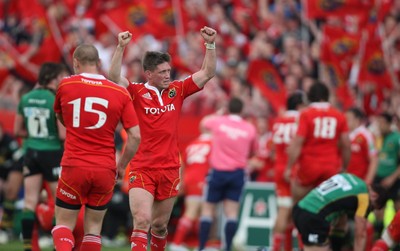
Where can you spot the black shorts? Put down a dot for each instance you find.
(393, 192)
(314, 229)
(16, 166)
(43, 162)
(223, 185)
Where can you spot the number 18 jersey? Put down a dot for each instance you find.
(321, 125)
(91, 107)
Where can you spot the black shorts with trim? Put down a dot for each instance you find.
(313, 228)
(45, 162)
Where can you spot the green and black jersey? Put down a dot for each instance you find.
(40, 121)
(341, 194)
(389, 155)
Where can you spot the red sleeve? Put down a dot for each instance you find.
(131, 90)
(189, 87)
(57, 105)
(129, 118)
(302, 129)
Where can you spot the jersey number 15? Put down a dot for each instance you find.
(88, 107)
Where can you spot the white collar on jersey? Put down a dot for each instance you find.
(353, 133)
(291, 113)
(92, 75)
(150, 87)
(234, 117)
(320, 104)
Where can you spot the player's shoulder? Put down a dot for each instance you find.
(136, 86)
(180, 82)
(70, 78)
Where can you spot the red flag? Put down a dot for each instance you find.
(339, 82)
(263, 75)
(337, 44)
(384, 9)
(373, 67)
(163, 17)
(325, 8)
(134, 17)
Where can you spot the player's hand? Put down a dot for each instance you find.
(286, 175)
(121, 172)
(388, 182)
(208, 34)
(124, 38)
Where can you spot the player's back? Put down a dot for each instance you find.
(342, 193)
(91, 107)
(322, 126)
(283, 131)
(39, 118)
(233, 141)
(197, 155)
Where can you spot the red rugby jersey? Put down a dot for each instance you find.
(362, 148)
(91, 107)
(283, 131)
(158, 114)
(321, 125)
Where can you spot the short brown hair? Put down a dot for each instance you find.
(154, 58)
(49, 71)
(87, 54)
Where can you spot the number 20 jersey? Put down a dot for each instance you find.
(321, 125)
(92, 107)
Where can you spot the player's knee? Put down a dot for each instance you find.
(142, 221)
(159, 227)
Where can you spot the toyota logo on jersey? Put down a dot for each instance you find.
(157, 110)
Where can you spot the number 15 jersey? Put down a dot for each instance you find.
(91, 107)
(321, 125)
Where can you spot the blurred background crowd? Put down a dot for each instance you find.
(267, 49)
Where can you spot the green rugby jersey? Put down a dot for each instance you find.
(343, 193)
(389, 155)
(40, 121)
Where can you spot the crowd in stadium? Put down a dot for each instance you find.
(267, 51)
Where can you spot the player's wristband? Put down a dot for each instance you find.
(210, 46)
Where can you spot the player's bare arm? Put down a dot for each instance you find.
(116, 62)
(61, 130)
(373, 165)
(388, 182)
(19, 127)
(132, 144)
(208, 68)
(345, 149)
(293, 152)
(60, 118)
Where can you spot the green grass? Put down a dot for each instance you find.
(17, 246)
